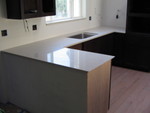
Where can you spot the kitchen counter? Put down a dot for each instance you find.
(42, 50)
(47, 77)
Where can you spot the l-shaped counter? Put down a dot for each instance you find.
(39, 50)
(45, 76)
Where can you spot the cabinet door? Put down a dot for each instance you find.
(112, 44)
(137, 58)
(48, 7)
(106, 44)
(30, 8)
(102, 45)
(23, 9)
(137, 52)
(91, 46)
(118, 49)
(13, 9)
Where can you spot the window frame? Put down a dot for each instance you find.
(50, 20)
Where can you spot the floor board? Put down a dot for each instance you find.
(130, 91)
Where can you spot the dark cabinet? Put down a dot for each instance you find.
(136, 51)
(23, 9)
(48, 7)
(77, 46)
(111, 44)
(91, 46)
(138, 16)
(29, 8)
(138, 6)
(118, 49)
(102, 45)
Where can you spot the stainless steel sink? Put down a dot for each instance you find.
(83, 35)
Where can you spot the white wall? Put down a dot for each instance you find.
(44, 87)
(103, 12)
(18, 36)
(109, 11)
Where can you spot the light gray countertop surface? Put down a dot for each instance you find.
(54, 50)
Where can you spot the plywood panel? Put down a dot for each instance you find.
(98, 89)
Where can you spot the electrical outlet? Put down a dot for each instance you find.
(90, 18)
(34, 27)
(117, 16)
(4, 32)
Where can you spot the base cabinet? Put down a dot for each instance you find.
(77, 46)
(118, 46)
(111, 44)
(102, 45)
(136, 52)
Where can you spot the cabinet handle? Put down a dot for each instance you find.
(32, 11)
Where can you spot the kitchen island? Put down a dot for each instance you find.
(74, 81)
(43, 78)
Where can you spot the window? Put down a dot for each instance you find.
(68, 10)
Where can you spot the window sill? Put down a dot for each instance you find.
(65, 20)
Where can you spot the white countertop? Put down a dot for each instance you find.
(46, 51)
(76, 59)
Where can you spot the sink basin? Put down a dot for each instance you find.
(83, 35)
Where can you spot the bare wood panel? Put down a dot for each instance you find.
(98, 89)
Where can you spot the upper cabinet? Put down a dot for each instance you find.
(138, 17)
(23, 9)
(138, 6)
(136, 43)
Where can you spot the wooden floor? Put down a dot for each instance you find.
(130, 91)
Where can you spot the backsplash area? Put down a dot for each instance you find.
(17, 34)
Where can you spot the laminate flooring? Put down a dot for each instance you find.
(130, 91)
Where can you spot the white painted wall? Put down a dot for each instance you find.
(44, 87)
(109, 11)
(18, 36)
(103, 12)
